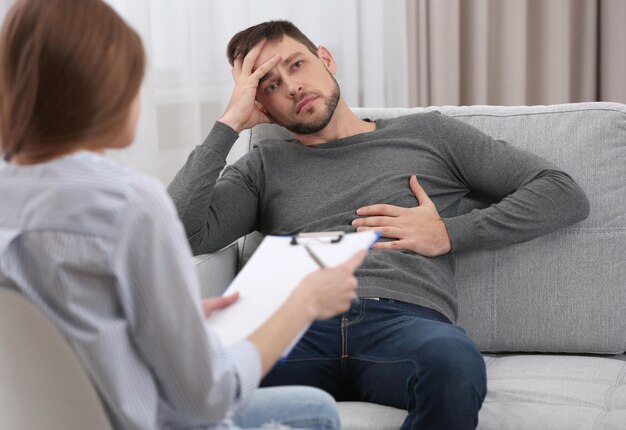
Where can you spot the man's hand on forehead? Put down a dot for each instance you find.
(242, 113)
(246, 64)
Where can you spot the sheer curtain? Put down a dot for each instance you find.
(188, 82)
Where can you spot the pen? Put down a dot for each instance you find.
(321, 265)
(314, 257)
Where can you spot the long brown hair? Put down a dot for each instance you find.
(69, 71)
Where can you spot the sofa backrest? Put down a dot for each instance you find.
(564, 292)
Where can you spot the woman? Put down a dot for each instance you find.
(100, 250)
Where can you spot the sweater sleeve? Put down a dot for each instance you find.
(214, 211)
(534, 197)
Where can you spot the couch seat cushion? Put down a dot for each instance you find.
(553, 392)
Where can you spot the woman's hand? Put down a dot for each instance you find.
(330, 291)
(215, 303)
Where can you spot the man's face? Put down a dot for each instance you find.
(300, 93)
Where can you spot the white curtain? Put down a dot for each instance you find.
(188, 82)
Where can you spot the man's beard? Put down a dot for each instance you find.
(327, 114)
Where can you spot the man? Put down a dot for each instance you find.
(344, 173)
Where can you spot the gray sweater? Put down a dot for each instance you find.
(489, 194)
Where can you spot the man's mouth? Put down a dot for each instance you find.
(306, 102)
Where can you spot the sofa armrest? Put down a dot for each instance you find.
(217, 270)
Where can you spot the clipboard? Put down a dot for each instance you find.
(276, 268)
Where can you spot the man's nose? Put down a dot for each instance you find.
(294, 87)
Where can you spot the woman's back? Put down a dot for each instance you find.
(99, 249)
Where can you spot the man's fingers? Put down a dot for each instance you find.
(395, 211)
(354, 261)
(375, 221)
(380, 209)
(237, 64)
(266, 67)
(418, 191)
(389, 232)
(248, 62)
(392, 244)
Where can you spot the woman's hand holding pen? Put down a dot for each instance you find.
(322, 294)
(330, 291)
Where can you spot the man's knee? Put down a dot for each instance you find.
(454, 360)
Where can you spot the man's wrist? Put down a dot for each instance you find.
(445, 243)
(233, 123)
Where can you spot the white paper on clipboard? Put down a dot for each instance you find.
(272, 273)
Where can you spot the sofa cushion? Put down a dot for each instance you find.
(555, 392)
(564, 292)
(530, 392)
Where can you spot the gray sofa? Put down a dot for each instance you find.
(549, 314)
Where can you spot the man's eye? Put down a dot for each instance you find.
(271, 87)
(297, 64)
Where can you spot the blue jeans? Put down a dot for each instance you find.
(393, 354)
(294, 407)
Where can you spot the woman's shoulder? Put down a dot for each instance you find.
(108, 176)
(83, 193)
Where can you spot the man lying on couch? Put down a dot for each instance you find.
(408, 178)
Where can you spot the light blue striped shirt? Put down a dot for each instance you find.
(100, 250)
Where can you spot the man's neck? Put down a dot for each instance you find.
(344, 123)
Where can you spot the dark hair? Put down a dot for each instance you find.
(245, 40)
(69, 71)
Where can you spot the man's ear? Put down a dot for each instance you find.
(327, 58)
(260, 107)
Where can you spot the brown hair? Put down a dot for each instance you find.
(69, 71)
(245, 40)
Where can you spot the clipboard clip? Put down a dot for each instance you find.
(319, 237)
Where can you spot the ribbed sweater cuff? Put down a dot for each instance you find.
(220, 139)
(464, 232)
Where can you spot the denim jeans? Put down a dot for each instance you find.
(290, 407)
(393, 354)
